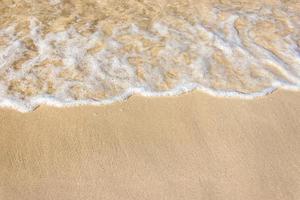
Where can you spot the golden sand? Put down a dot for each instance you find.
(189, 147)
(194, 146)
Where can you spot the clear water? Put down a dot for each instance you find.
(63, 53)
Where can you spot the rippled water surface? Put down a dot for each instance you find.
(68, 52)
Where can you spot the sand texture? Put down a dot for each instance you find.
(190, 147)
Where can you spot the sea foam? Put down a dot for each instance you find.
(77, 60)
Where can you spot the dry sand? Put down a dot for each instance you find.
(190, 147)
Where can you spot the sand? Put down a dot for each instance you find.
(94, 51)
(189, 147)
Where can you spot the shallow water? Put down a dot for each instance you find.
(62, 52)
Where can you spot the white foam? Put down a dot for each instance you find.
(54, 2)
(191, 57)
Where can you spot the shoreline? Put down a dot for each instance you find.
(193, 146)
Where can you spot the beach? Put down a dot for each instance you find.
(194, 146)
(149, 99)
(89, 52)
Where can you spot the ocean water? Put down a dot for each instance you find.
(73, 52)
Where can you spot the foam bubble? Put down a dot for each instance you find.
(84, 64)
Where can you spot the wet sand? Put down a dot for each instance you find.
(190, 147)
(94, 52)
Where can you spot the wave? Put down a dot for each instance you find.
(243, 51)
